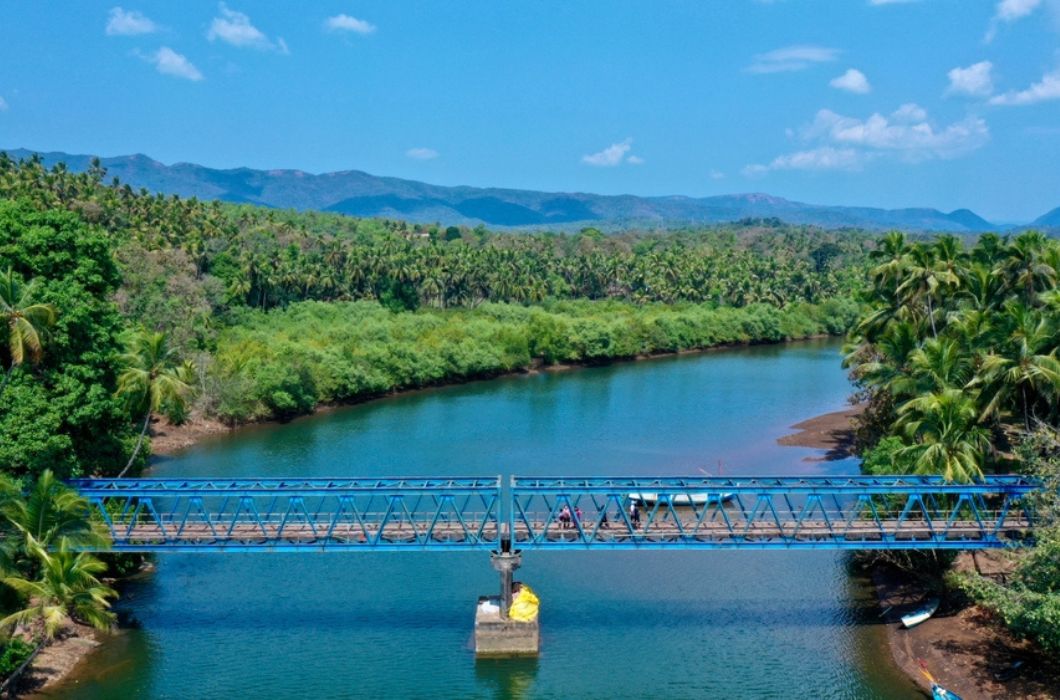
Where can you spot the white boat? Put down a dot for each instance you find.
(683, 499)
(920, 614)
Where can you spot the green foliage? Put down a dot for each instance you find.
(42, 531)
(62, 414)
(14, 654)
(1029, 602)
(282, 363)
(959, 348)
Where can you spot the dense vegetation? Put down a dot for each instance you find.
(285, 362)
(436, 304)
(958, 360)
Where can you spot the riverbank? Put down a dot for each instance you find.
(832, 432)
(168, 439)
(967, 650)
(57, 660)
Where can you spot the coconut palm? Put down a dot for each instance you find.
(1024, 370)
(68, 589)
(945, 435)
(25, 320)
(50, 514)
(151, 381)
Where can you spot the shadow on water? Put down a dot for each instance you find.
(508, 679)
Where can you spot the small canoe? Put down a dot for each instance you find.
(920, 614)
(683, 499)
(940, 693)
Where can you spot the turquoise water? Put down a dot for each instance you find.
(668, 624)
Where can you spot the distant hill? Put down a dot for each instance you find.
(361, 194)
(1048, 220)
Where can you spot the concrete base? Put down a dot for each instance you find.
(495, 636)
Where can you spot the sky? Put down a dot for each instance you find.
(892, 103)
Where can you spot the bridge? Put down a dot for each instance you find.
(556, 513)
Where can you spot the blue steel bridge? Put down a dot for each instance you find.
(525, 513)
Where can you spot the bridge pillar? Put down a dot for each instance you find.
(495, 633)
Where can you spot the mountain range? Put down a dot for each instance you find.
(361, 194)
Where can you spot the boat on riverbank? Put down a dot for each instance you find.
(649, 498)
(920, 614)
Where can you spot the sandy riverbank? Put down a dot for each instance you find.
(965, 648)
(72, 647)
(833, 432)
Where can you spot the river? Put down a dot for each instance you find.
(614, 624)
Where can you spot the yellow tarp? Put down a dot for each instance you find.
(524, 605)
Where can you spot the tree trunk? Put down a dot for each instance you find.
(931, 315)
(139, 443)
(7, 378)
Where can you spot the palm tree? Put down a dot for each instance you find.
(1025, 368)
(25, 321)
(946, 437)
(68, 589)
(50, 514)
(151, 381)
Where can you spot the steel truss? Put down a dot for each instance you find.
(856, 512)
(194, 515)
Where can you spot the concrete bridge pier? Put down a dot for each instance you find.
(495, 633)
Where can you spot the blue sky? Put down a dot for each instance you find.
(943, 103)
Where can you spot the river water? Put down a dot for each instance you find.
(614, 624)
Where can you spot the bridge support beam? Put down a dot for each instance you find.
(495, 633)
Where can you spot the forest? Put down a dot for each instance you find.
(181, 307)
(957, 358)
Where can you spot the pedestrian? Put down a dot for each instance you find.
(634, 514)
(578, 515)
(564, 517)
(603, 518)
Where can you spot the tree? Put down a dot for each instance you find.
(152, 381)
(25, 320)
(944, 434)
(67, 419)
(50, 514)
(68, 589)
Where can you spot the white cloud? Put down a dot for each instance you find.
(791, 58)
(635, 160)
(345, 23)
(1009, 11)
(3, 105)
(169, 62)
(236, 29)
(716, 175)
(421, 153)
(906, 133)
(909, 112)
(131, 23)
(612, 155)
(839, 142)
(852, 81)
(1048, 88)
(822, 158)
(976, 80)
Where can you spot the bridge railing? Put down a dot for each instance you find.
(856, 512)
(297, 514)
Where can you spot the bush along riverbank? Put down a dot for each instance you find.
(284, 363)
